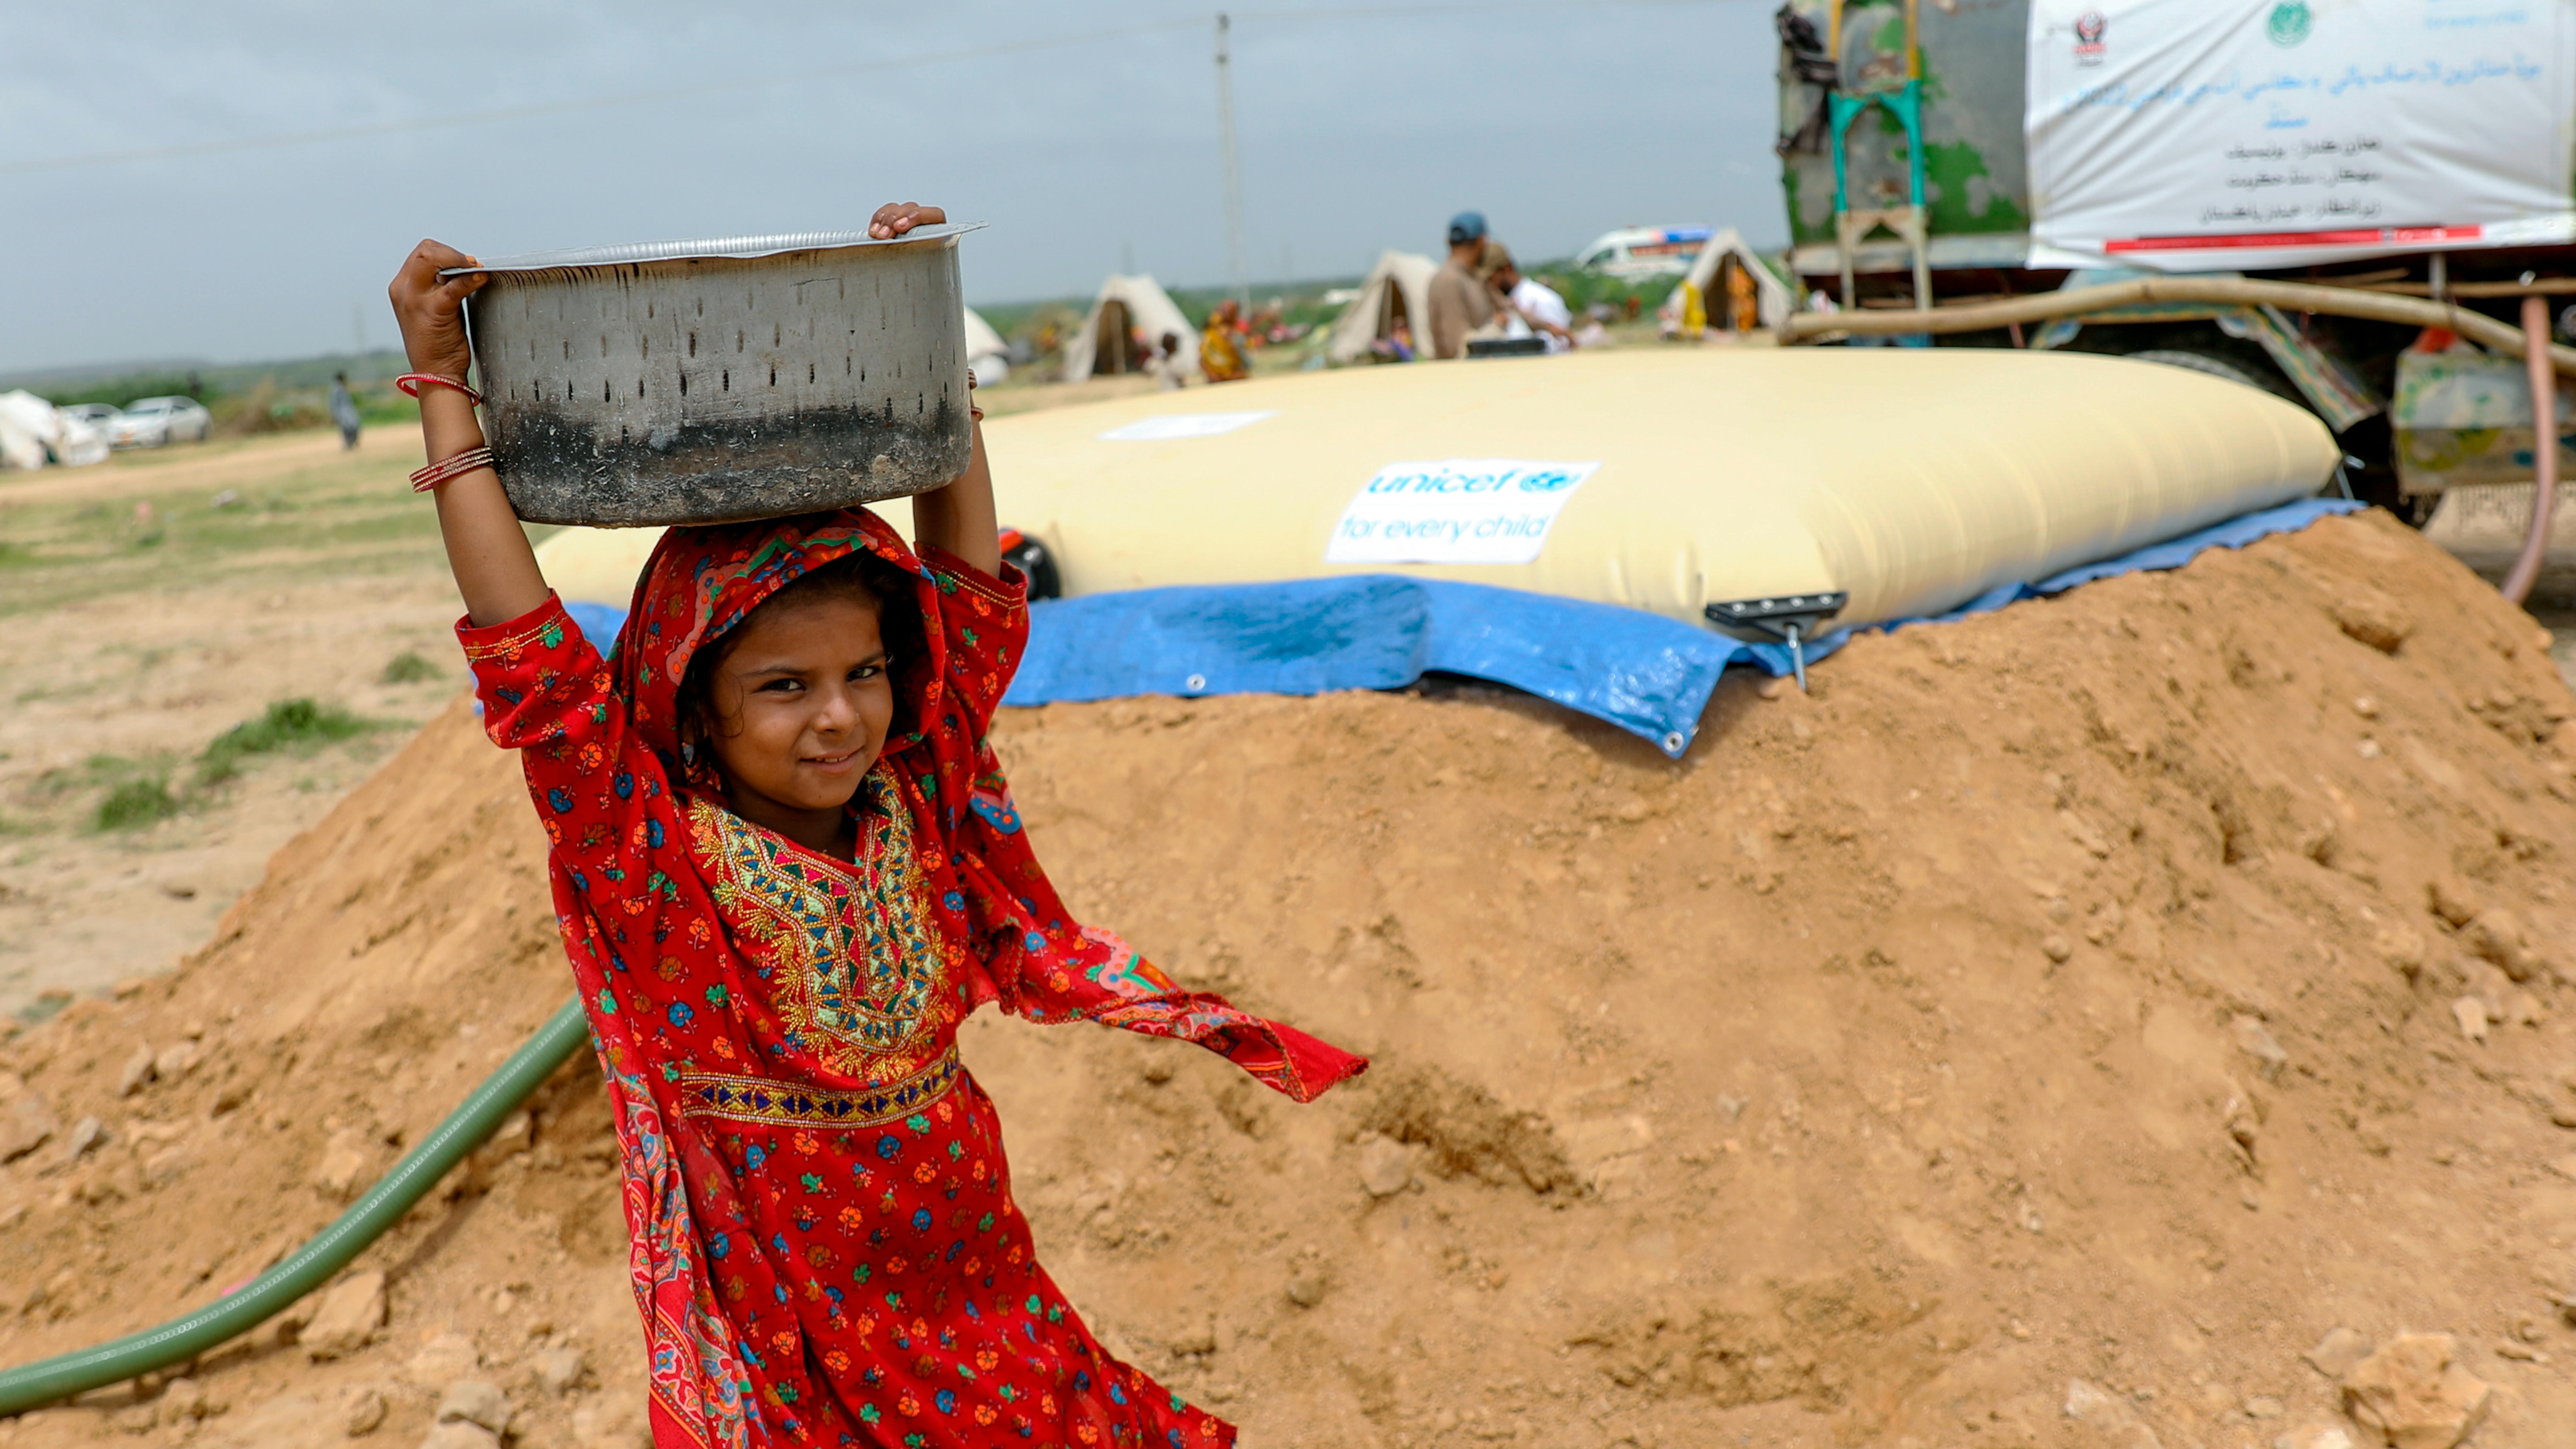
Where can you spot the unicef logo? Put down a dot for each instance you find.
(2290, 23)
(1548, 482)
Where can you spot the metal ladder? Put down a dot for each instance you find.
(1905, 103)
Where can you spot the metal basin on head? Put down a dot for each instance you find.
(713, 381)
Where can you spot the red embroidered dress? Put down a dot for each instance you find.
(825, 1249)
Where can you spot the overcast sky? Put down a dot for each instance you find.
(1360, 128)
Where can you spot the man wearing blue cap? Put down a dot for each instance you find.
(1460, 300)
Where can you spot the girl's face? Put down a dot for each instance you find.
(801, 703)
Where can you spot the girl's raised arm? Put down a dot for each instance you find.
(487, 549)
(959, 517)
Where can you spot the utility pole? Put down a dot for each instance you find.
(1233, 177)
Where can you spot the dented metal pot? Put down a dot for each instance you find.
(713, 381)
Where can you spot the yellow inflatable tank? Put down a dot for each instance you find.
(1912, 479)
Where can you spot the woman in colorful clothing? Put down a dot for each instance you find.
(786, 866)
(1221, 345)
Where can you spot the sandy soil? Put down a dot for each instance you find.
(2081, 991)
(123, 658)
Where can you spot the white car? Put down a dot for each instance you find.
(156, 422)
(97, 415)
(1644, 251)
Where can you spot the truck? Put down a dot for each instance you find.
(1961, 152)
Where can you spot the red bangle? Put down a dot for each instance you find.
(436, 474)
(410, 383)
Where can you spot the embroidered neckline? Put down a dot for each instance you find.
(855, 958)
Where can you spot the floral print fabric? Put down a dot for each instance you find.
(825, 1249)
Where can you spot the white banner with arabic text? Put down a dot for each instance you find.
(2198, 135)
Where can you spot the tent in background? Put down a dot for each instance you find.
(1106, 345)
(986, 352)
(1397, 292)
(1772, 301)
(32, 428)
(26, 421)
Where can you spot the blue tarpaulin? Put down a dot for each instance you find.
(1645, 673)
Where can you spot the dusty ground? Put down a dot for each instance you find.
(2076, 992)
(139, 619)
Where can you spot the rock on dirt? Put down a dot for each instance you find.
(2338, 1351)
(2471, 1013)
(2415, 1394)
(345, 1316)
(443, 1359)
(87, 1134)
(2315, 1436)
(2375, 619)
(559, 1370)
(136, 1071)
(25, 1122)
(343, 1162)
(2254, 1041)
(1386, 1166)
(2113, 1423)
(364, 1412)
(2498, 935)
(460, 1435)
(475, 1401)
(184, 1399)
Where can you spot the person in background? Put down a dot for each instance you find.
(1220, 354)
(344, 411)
(1460, 302)
(1537, 303)
(1168, 365)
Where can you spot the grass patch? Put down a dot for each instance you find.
(137, 803)
(407, 668)
(44, 1007)
(288, 724)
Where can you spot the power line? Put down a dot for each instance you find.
(281, 140)
(1225, 150)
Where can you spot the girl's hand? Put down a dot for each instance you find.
(431, 312)
(895, 218)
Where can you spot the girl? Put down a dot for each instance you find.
(786, 866)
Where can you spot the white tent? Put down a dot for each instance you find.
(986, 352)
(1126, 307)
(30, 427)
(1772, 301)
(25, 421)
(1398, 291)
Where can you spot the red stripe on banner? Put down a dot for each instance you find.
(2376, 237)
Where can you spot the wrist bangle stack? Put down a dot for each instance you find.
(437, 474)
(412, 382)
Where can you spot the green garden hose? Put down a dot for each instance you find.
(309, 1267)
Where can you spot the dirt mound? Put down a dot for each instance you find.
(2127, 988)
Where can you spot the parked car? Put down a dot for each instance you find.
(97, 415)
(156, 422)
(1644, 251)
